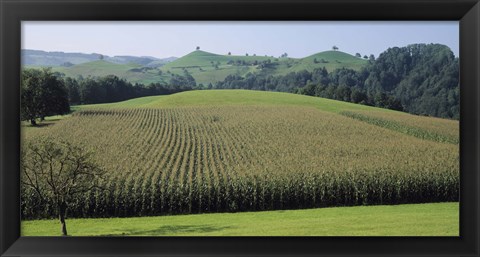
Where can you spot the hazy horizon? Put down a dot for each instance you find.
(165, 39)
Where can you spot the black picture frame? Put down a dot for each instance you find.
(12, 12)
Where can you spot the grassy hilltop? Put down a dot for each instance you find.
(208, 67)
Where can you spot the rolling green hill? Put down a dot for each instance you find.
(203, 59)
(234, 97)
(208, 67)
(332, 60)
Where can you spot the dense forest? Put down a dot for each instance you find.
(420, 79)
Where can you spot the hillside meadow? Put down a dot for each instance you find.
(238, 150)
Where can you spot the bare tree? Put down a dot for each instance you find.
(57, 171)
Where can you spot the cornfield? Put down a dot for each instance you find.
(247, 158)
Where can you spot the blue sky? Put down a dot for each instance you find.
(298, 39)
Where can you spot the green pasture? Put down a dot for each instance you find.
(433, 219)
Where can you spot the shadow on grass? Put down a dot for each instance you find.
(55, 119)
(39, 125)
(172, 230)
(46, 123)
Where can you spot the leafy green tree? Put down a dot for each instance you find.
(343, 93)
(42, 95)
(357, 96)
(309, 89)
(381, 99)
(91, 92)
(73, 90)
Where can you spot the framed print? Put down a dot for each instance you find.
(245, 128)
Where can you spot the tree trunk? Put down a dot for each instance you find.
(62, 209)
(33, 122)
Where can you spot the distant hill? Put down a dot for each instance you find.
(58, 59)
(205, 67)
(97, 68)
(131, 72)
(208, 67)
(331, 60)
(203, 59)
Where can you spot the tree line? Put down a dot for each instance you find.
(114, 89)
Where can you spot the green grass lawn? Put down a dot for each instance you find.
(433, 219)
